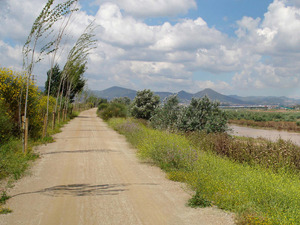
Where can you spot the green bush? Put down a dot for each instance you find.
(166, 116)
(202, 114)
(113, 110)
(144, 104)
(122, 100)
(102, 106)
(6, 124)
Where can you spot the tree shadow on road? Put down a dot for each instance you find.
(83, 190)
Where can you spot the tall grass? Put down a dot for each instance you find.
(258, 195)
(13, 162)
(278, 156)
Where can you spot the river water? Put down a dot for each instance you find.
(272, 135)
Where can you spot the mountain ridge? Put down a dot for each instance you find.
(185, 97)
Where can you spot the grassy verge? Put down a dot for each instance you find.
(256, 194)
(13, 162)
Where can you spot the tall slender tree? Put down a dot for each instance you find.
(40, 35)
(76, 64)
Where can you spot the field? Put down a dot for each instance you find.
(280, 120)
(258, 192)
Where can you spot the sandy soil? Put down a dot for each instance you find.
(91, 176)
(272, 135)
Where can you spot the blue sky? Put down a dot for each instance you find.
(234, 47)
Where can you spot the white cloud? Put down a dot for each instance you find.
(150, 8)
(119, 30)
(263, 55)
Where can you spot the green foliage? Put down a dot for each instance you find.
(92, 100)
(262, 116)
(4, 197)
(198, 201)
(101, 100)
(102, 106)
(166, 116)
(55, 81)
(6, 124)
(257, 195)
(144, 104)
(202, 114)
(12, 97)
(5, 210)
(13, 162)
(278, 156)
(113, 110)
(122, 100)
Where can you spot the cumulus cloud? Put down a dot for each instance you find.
(150, 8)
(275, 41)
(263, 54)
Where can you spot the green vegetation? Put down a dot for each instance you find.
(13, 160)
(144, 104)
(112, 109)
(267, 119)
(200, 114)
(259, 195)
(3, 198)
(262, 116)
(280, 156)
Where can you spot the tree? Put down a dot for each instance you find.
(54, 84)
(42, 30)
(122, 100)
(144, 104)
(75, 66)
(202, 114)
(166, 116)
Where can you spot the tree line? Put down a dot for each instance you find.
(200, 114)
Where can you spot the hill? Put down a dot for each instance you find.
(215, 96)
(185, 97)
(115, 92)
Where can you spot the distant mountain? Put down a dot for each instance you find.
(115, 92)
(185, 97)
(267, 100)
(215, 96)
(163, 95)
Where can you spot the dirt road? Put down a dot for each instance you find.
(272, 135)
(91, 176)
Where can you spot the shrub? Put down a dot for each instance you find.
(12, 94)
(144, 104)
(6, 124)
(166, 116)
(113, 110)
(102, 106)
(122, 100)
(202, 114)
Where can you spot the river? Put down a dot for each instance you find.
(272, 135)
